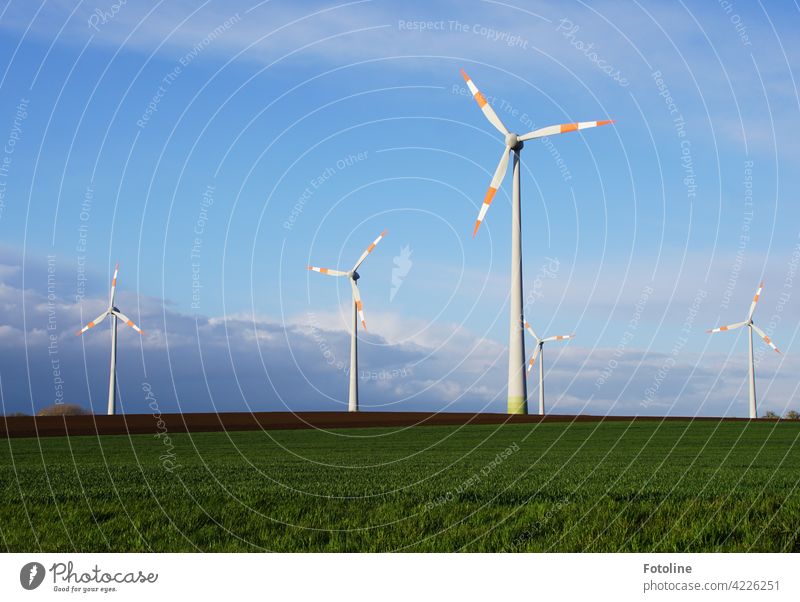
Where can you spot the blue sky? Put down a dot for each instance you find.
(280, 134)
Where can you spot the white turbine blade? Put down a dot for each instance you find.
(326, 271)
(487, 109)
(127, 321)
(562, 128)
(532, 361)
(562, 337)
(372, 245)
(497, 179)
(93, 323)
(755, 300)
(113, 286)
(359, 305)
(767, 340)
(529, 328)
(729, 327)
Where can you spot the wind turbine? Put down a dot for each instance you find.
(115, 314)
(767, 340)
(358, 314)
(540, 352)
(517, 390)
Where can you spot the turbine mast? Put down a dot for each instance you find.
(112, 373)
(352, 405)
(752, 373)
(541, 379)
(517, 386)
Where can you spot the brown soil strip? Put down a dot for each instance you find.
(57, 426)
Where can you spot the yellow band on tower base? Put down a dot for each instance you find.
(517, 405)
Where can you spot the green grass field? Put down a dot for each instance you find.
(622, 486)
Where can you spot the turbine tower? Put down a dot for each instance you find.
(539, 351)
(751, 365)
(115, 314)
(517, 391)
(358, 314)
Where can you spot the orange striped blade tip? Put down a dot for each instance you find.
(476, 94)
(377, 240)
(487, 201)
(135, 327)
(82, 330)
(571, 127)
(719, 329)
(766, 338)
(85, 328)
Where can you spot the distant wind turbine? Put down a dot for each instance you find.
(517, 390)
(358, 314)
(539, 351)
(751, 363)
(115, 314)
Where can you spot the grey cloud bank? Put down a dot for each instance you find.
(244, 362)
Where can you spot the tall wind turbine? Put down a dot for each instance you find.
(767, 340)
(358, 314)
(114, 314)
(517, 391)
(540, 352)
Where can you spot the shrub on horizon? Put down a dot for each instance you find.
(63, 409)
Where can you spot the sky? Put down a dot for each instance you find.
(216, 149)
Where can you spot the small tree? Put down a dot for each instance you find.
(792, 415)
(63, 409)
(770, 415)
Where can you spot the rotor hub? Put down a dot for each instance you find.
(512, 141)
(355, 276)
